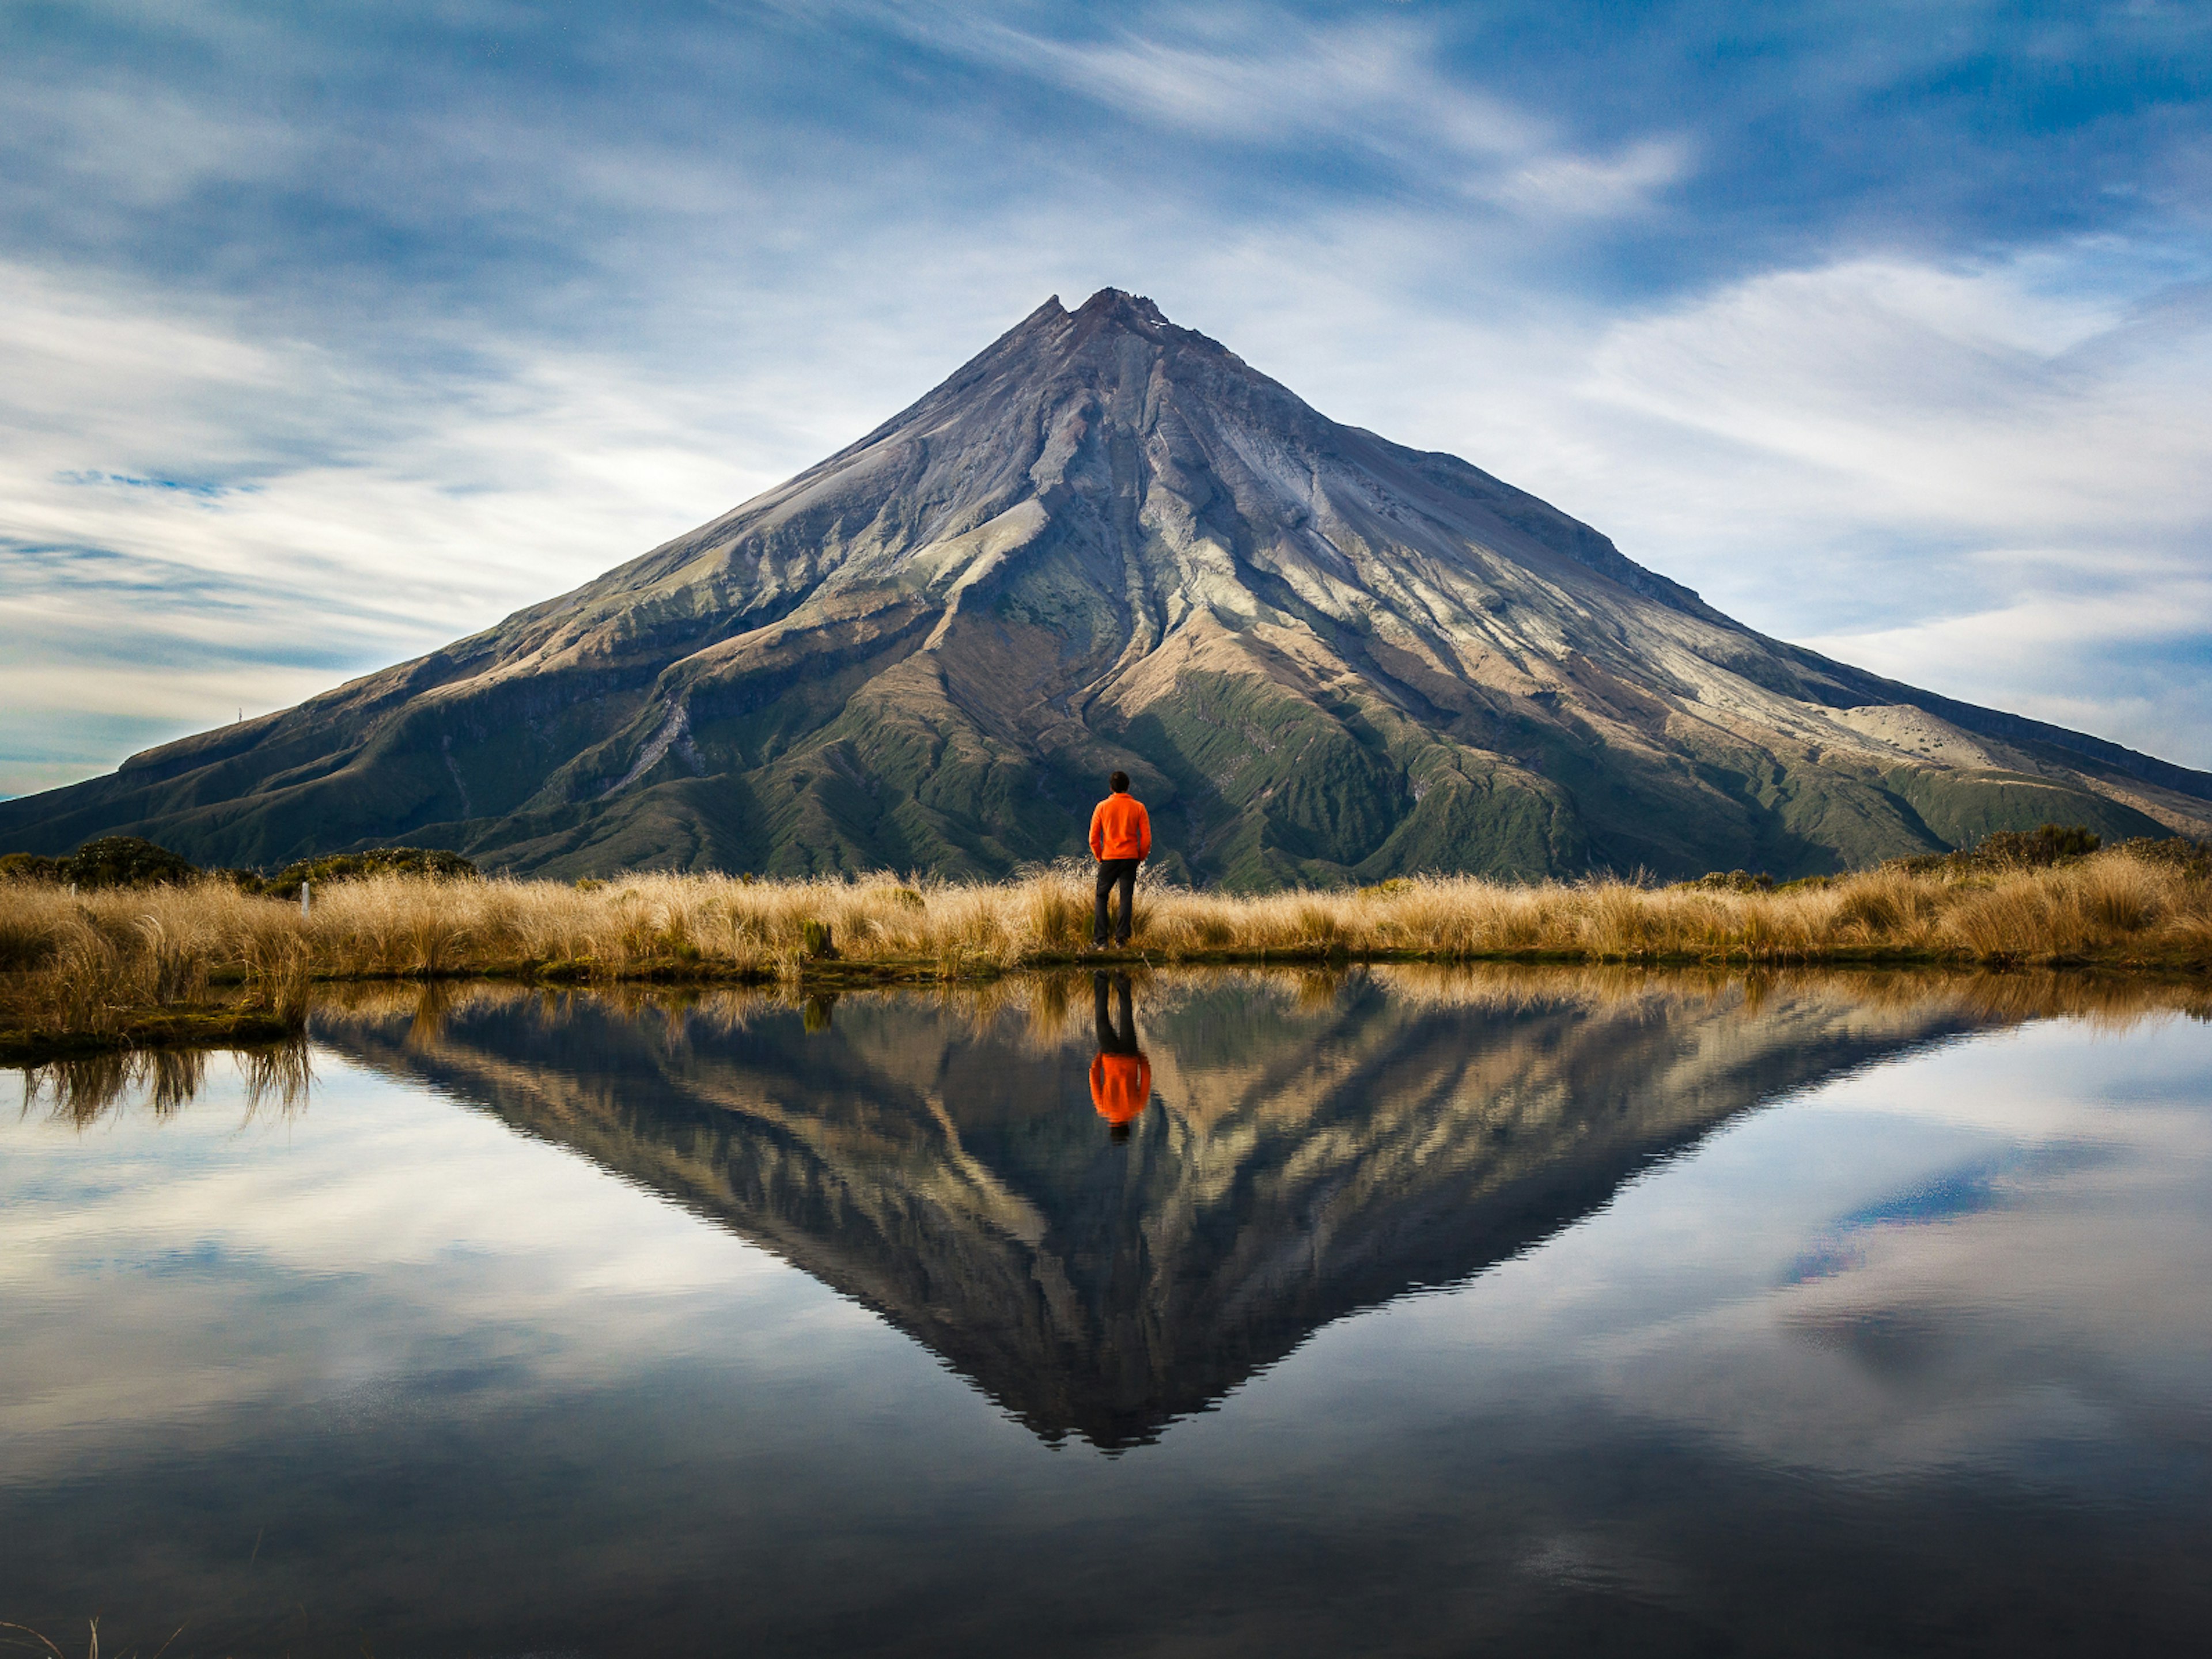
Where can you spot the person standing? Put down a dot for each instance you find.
(1121, 839)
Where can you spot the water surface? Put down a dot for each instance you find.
(1392, 1311)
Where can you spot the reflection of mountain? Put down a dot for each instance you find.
(1309, 1154)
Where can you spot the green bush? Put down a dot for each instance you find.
(377, 861)
(2014, 849)
(1734, 881)
(2033, 849)
(132, 861)
(126, 861)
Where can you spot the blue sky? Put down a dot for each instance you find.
(329, 334)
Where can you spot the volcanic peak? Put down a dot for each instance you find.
(1105, 542)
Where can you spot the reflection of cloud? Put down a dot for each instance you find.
(2067, 1314)
(2044, 1289)
(362, 1243)
(1982, 1183)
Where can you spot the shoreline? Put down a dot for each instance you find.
(229, 1025)
(212, 1027)
(120, 968)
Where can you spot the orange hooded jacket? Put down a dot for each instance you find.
(1120, 828)
(1119, 1085)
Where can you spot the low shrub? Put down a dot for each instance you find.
(1733, 881)
(434, 862)
(126, 861)
(2033, 849)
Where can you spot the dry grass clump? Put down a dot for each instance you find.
(2101, 904)
(95, 966)
(91, 963)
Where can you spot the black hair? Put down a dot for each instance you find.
(1119, 783)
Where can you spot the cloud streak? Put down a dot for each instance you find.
(1367, 88)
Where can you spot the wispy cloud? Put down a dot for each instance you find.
(194, 519)
(1372, 89)
(2038, 460)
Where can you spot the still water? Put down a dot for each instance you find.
(1391, 1311)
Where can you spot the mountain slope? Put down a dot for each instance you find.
(1104, 541)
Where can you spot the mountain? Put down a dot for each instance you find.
(1313, 1150)
(1108, 542)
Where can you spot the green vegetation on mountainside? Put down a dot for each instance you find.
(1252, 784)
(1960, 808)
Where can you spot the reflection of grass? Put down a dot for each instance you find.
(1051, 1008)
(1053, 1005)
(80, 1089)
(121, 966)
(23, 1640)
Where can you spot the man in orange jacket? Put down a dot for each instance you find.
(1121, 839)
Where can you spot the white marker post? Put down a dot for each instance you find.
(303, 900)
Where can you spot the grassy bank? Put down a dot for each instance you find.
(204, 961)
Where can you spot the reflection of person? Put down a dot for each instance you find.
(1120, 1078)
(1121, 839)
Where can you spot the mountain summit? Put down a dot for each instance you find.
(1108, 542)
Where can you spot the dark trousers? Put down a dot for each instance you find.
(1113, 872)
(1111, 1040)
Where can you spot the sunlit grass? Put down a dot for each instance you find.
(91, 963)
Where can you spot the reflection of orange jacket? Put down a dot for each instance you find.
(1120, 828)
(1120, 1085)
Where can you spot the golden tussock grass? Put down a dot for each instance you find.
(93, 964)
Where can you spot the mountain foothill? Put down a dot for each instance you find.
(1107, 543)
